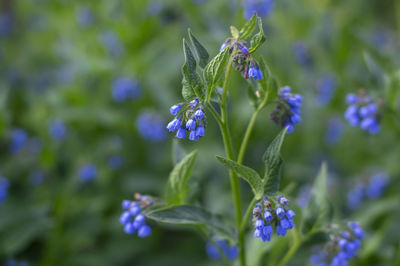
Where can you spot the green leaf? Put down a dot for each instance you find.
(258, 39)
(252, 97)
(374, 68)
(214, 70)
(392, 89)
(191, 83)
(200, 50)
(234, 32)
(177, 189)
(248, 174)
(268, 85)
(273, 163)
(318, 209)
(248, 27)
(192, 215)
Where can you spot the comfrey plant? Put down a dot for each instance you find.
(205, 91)
(344, 243)
(363, 112)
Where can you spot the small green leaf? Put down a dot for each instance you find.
(273, 163)
(191, 82)
(375, 69)
(258, 39)
(177, 189)
(200, 50)
(248, 174)
(214, 70)
(192, 215)
(248, 27)
(318, 210)
(234, 32)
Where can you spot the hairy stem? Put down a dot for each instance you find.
(294, 247)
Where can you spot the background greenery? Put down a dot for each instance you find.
(53, 67)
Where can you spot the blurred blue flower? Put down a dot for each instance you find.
(230, 252)
(84, 17)
(262, 7)
(355, 196)
(124, 88)
(151, 126)
(302, 54)
(57, 129)
(333, 131)
(303, 196)
(36, 177)
(6, 24)
(12, 262)
(112, 42)
(155, 7)
(19, 138)
(325, 89)
(115, 161)
(87, 172)
(4, 184)
(377, 185)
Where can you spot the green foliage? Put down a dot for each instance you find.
(201, 52)
(248, 27)
(177, 188)
(192, 85)
(258, 39)
(214, 70)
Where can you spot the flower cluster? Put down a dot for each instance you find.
(371, 190)
(212, 251)
(287, 110)
(342, 247)
(57, 129)
(87, 172)
(133, 219)
(4, 184)
(151, 126)
(242, 60)
(188, 116)
(124, 88)
(261, 7)
(363, 112)
(19, 138)
(280, 217)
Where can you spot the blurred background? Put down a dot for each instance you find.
(85, 89)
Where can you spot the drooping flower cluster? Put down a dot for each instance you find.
(87, 172)
(57, 129)
(373, 189)
(124, 88)
(133, 219)
(268, 217)
(188, 117)
(242, 61)
(4, 184)
(151, 126)
(230, 252)
(362, 112)
(261, 7)
(342, 247)
(287, 110)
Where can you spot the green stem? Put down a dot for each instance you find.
(295, 246)
(229, 153)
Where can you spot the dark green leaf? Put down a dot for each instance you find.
(177, 189)
(192, 215)
(248, 174)
(258, 39)
(200, 50)
(273, 161)
(318, 210)
(191, 82)
(234, 32)
(248, 27)
(214, 70)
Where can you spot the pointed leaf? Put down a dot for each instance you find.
(192, 215)
(269, 86)
(258, 39)
(248, 27)
(248, 174)
(200, 50)
(214, 70)
(234, 32)
(177, 189)
(273, 162)
(191, 82)
(318, 210)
